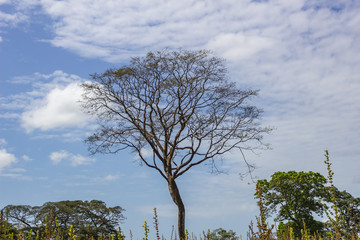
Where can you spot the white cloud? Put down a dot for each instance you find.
(145, 152)
(243, 47)
(73, 159)
(11, 19)
(6, 159)
(52, 103)
(16, 15)
(111, 177)
(77, 160)
(57, 157)
(59, 108)
(4, 2)
(115, 30)
(26, 158)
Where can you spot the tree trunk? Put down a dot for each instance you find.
(175, 195)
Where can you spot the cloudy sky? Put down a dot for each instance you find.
(304, 56)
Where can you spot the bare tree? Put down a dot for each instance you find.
(180, 105)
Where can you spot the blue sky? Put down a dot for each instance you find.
(304, 56)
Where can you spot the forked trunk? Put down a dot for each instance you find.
(175, 195)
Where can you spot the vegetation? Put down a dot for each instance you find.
(222, 234)
(68, 219)
(177, 104)
(349, 213)
(344, 219)
(86, 218)
(295, 197)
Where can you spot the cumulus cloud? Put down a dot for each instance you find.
(53, 102)
(6, 159)
(59, 108)
(73, 159)
(57, 157)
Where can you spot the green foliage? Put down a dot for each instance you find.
(7, 230)
(222, 234)
(86, 218)
(349, 212)
(120, 234)
(295, 196)
(344, 220)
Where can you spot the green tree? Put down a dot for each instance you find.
(103, 219)
(7, 230)
(20, 215)
(222, 234)
(177, 104)
(90, 218)
(349, 214)
(65, 212)
(294, 197)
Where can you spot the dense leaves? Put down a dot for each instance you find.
(349, 213)
(295, 198)
(89, 218)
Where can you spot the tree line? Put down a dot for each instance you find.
(296, 200)
(87, 218)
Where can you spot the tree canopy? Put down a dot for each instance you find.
(295, 196)
(180, 105)
(89, 218)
